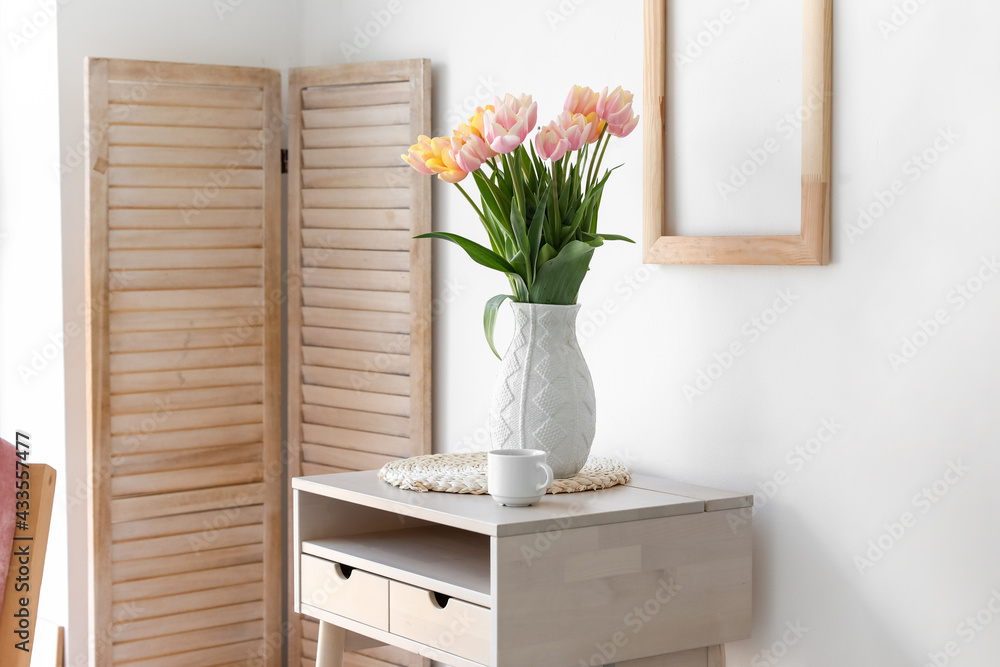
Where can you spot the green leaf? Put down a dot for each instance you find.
(503, 184)
(564, 233)
(528, 169)
(592, 223)
(546, 253)
(606, 237)
(478, 253)
(593, 194)
(552, 220)
(520, 289)
(559, 279)
(508, 247)
(490, 319)
(615, 237)
(519, 228)
(537, 224)
(520, 263)
(492, 202)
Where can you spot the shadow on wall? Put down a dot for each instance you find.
(781, 633)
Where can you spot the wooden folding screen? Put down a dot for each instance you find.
(184, 364)
(359, 309)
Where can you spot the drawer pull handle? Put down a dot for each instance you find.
(439, 600)
(343, 571)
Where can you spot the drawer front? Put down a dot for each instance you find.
(353, 594)
(457, 627)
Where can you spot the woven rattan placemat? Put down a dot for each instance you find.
(466, 473)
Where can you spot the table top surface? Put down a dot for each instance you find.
(643, 498)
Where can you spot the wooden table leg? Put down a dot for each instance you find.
(330, 652)
(712, 656)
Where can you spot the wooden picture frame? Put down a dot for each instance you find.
(812, 245)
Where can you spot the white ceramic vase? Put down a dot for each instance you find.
(544, 396)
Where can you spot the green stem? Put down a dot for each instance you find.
(594, 156)
(490, 231)
(478, 210)
(597, 172)
(513, 286)
(518, 187)
(553, 215)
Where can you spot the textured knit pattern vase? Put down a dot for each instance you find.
(544, 396)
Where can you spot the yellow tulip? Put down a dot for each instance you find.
(437, 156)
(443, 163)
(475, 125)
(418, 155)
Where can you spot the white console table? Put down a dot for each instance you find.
(651, 574)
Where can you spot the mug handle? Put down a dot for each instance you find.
(549, 477)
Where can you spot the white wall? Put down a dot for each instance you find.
(31, 333)
(897, 429)
(254, 33)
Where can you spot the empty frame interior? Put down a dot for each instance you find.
(359, 309)
(184, 364)
(812, 245)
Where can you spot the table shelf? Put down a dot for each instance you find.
(443, 559)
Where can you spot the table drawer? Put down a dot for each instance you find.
(442, 622)
(345, 591)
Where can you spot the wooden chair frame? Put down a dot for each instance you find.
(812, 245)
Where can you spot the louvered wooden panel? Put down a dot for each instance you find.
(184, 364)
(359, 314)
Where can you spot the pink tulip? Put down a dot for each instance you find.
(615, 108)
(506, 128)
(581, 100)
(574, 128)
(472, 153)
(474, 128)
(551, 143)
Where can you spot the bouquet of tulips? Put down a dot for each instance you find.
(539, 203)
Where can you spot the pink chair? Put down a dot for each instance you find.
(8, 494)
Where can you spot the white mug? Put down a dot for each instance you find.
(517, 477)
